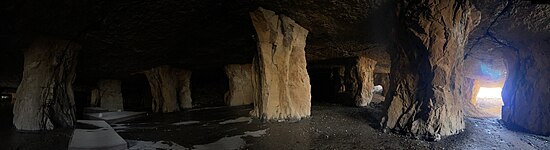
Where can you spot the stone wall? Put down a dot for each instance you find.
(525, 93)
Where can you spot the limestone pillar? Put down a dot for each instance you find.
(365, 80)
(45, 97)
(526, 90)
(169, 88)
(240, 84)
(184, 88)
(280, 75)
(94, 98)
(424, 98)
(110, 95)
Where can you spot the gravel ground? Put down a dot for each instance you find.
(331, 126)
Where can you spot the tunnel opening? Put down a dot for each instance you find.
(489, 100)
(136, 93)
(208, 87)
(323, 86)
(6, 108)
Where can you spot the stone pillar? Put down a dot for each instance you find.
(45, 97)
(110, 95)
(169, 88)
(427, 67)
(184, 88)
(526, 90)
(475, 91)
(282, 80)
(365, 80)
(240, 85)
(95, 98)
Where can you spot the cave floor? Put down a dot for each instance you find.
(331, 126)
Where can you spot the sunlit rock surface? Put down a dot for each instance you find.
(281, 81)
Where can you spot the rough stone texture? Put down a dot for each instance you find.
(280, 78)
(240, 85)
(351, 79)
(45, 97)
(519, 31)
(110, 95)
(163, 82)
(426, 68)
(475, 91)
(184, 88)
(94, 98)
(526, 91)
(365, 81)
(384, 80)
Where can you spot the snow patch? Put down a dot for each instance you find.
(150, 145)
(232, 142)
(240, 119)
(185, 123)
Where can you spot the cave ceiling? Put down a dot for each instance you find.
(123, 37)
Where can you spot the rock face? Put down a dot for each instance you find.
(184, 88)
(45, 97)
(520, 31)
(365, 81)
(280, 78)
(240, 85)
(426, 68)
(525, 93)
(110, 95)
(94, 98)
(169, 88)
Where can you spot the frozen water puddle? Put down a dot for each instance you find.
(226, 143)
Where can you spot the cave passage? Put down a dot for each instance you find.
(270, 74)
(208, 87)
(324, 87)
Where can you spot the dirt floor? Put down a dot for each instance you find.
(491, 106)
(331, 126)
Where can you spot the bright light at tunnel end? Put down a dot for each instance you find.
(485, 92)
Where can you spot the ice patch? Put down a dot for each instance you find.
(230, 143)
(185, 123)
(240, 119)
(149, 145)
(118, 127)
(255, 133)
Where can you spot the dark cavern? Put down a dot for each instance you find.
(274, 74)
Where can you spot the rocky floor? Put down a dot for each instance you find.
(331, 126)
